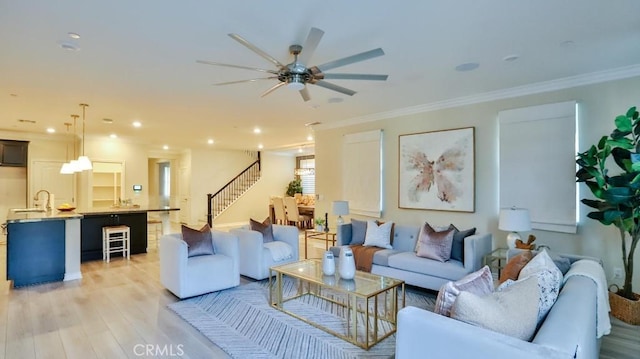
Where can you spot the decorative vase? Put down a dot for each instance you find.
(328, 263)
(319, 228)
(624, 309)
(347, 265)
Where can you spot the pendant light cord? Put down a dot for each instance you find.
(84, 106)
(75, 117)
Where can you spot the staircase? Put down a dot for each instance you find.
(218, 202)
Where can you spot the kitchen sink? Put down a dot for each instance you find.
(23, 210)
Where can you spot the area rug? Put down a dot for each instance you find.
(241, 322)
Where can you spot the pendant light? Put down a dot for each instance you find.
(67, 169)
(83, 161)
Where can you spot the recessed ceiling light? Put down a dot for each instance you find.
(511, 58)
(567, 43)
(257, 130)
(137, 124)
(312, 123)
(260, 146)
(107, 120)
(165, 147)
(210, 141)
(300, 150)
(335, 100)
(51, 130)
(113, 135)
(469, 66)
(309, 138)
(73, 35)
(13, 95)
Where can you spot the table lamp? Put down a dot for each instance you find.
(514, 219)
(340, 208)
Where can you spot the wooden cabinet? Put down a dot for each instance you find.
(13, 153)
(106, 186)
(91, 233)
(35, 252)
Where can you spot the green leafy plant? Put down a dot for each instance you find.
(617, 196)
(319, 221)
(294, 187)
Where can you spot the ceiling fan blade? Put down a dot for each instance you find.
(236, 66)
(310, 45)
(351, 59)
(356, 77)
(330, 86)
(273, 88)
(255, 49)
(241, 81)
(305, 94)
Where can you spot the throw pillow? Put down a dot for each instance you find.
(435, 245)
(511, 312)
(199, 242)
(514, 266)
(263, 227)
(358, 231)
(438, 229)
(549, 280)
(479, 283)
(563, 263)
(457, 248)
(378, 236)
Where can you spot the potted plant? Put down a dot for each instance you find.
(294, 187)
(319, 224)
(617, 200)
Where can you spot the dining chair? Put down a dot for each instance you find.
(293, 215)
(280, 213)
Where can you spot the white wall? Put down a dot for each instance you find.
(599, 104)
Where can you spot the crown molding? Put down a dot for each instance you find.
(518, 91)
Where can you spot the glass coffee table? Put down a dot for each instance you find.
(362, 311)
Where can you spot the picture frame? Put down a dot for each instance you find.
(436, 170)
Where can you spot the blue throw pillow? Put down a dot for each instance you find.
(457, 249)
(358, 231)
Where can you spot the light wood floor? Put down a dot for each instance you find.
(119, 308)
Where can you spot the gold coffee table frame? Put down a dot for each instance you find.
(363, 290)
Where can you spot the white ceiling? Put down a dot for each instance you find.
(137, 60)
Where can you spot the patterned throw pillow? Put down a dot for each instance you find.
(515, 265)
(435, 245)
(511, 312)
(549, 280)
(479, 283)
(263, 227)
(378, 236)
(457, 248)
(199, 242)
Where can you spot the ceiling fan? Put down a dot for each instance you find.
(296, 74)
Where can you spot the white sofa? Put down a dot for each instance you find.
(190, 276)
(255, 256)
(568, 331)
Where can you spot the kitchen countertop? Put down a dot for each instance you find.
(55, 215)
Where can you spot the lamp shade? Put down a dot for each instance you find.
(84, 163)
(67, 169)
(514, 219)
(340, 207)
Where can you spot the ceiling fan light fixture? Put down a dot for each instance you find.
(295, 82)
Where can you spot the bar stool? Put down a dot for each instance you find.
(115, 239)
(157, 228)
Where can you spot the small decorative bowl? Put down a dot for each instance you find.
(66, 209)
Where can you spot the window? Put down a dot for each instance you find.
(308, 178)
(537, 164)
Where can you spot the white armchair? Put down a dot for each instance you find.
(190, 276)
(255, 256)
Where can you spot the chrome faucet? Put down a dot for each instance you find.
(35, 198)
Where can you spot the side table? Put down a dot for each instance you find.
(313, 234)
(496, 260)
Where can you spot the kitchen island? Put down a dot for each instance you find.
(47, 246)
(42, 246)
(96, 218)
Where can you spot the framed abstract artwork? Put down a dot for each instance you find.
(437, 170)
